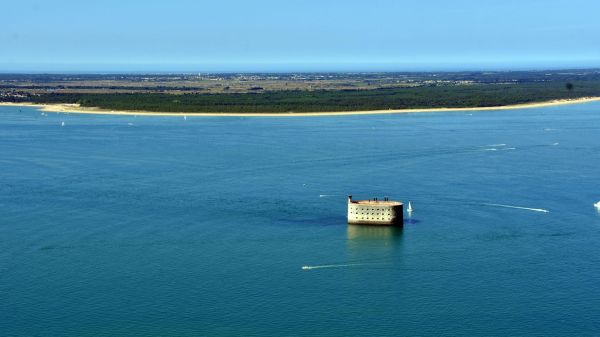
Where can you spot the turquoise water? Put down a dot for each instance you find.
(158, 226)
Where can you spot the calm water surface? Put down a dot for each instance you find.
(158, 226)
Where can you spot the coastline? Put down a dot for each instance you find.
(76, 108)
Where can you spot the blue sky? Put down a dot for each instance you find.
(290, 35)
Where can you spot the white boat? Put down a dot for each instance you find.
(409, 209)
(597, 205)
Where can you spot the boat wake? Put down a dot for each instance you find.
(497, 147)
(326, 266)
(519, 207)
(328, 195)
(501, 149)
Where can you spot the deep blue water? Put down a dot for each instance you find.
(160, 226)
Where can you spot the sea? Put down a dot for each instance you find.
(236, 226)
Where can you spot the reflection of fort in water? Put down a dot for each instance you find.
(373, 238)
(366, 232)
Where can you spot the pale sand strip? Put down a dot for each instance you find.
(75, 108)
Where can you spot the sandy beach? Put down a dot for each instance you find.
(76, 108)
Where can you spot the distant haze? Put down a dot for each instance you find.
(310, 35)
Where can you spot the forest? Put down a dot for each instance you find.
(435, 96)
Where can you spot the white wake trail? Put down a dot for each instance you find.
(519, 207)
(335, 266)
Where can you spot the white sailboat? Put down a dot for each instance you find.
(409, 209)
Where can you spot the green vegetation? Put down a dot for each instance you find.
(311, 92)
(476, 95)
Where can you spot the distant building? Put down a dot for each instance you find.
(375, 212)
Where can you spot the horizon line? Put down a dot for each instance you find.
(290, 71)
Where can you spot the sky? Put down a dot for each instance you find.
(297, 35)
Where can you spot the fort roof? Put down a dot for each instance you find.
(377, 202)
(374, 202)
